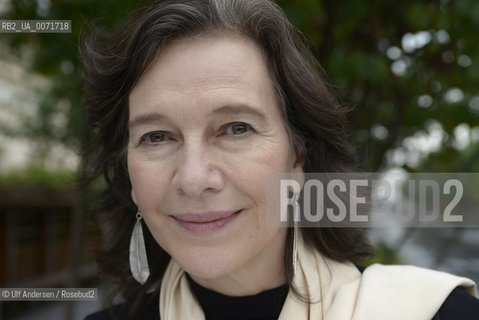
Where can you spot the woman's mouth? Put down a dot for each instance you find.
(205, 223)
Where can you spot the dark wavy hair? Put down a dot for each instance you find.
(114, 63)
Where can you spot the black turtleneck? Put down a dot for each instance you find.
(265, 305)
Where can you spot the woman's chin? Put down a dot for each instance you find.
(208, 268)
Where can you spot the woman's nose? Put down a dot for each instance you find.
(196, 172)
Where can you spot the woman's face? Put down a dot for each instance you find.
(206, 132)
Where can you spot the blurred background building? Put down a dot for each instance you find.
(43, 242)
(409, 68)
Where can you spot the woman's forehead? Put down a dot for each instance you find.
(206, 67)
(222, 56)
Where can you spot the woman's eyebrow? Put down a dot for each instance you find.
(239, 109)
(145, 119)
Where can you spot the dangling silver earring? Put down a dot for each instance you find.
(296, 209)
(138, 261)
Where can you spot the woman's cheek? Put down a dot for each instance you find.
(145, 181)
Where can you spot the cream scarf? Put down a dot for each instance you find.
(381, 292)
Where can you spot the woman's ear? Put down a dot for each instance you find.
(298, 174)
(298, 164)
(133, 196)
(299, 153)
(298, 170)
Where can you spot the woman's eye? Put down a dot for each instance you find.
(237, 128)
(155, 137)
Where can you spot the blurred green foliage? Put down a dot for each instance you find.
(38, 176)
(360, 43)
(384, 254)
(394, 61)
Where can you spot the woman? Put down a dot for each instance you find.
(194, 105)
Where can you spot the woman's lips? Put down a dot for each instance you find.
(206, 222)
